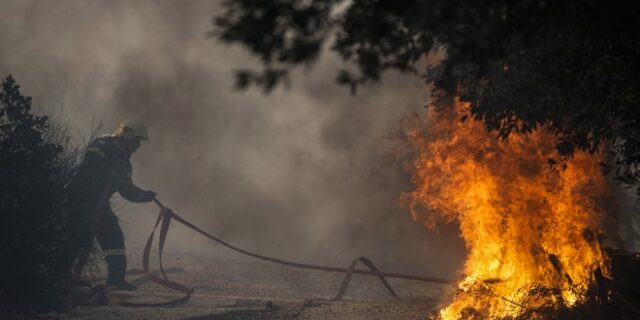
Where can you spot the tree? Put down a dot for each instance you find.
(39, 244)
(570, 66)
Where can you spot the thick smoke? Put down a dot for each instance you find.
(299, 174)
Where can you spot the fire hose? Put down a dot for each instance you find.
(164, 219)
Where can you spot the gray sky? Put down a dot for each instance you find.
(298, 174)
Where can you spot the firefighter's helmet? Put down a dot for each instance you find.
(130, 129)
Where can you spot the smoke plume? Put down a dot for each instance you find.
(299, 174)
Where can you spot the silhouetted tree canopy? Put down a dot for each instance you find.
(569, 65)
(39, 230)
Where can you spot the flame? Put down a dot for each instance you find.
(530, 230)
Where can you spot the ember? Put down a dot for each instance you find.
(531, 230)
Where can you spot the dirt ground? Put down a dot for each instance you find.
(228, 286)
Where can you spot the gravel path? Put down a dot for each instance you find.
(229, 287)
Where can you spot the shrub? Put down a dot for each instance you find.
(38, 244)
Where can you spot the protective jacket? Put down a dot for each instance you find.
(106, 161)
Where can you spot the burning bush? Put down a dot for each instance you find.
(39, 244)
(532, 230)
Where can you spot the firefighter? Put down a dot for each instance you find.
(106, 169)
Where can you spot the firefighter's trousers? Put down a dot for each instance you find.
(111, 240)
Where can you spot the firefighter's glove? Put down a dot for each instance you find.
(149, 196)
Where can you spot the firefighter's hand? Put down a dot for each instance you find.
(149, 196)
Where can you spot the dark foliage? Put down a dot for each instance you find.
(39, 245)
(571, 66)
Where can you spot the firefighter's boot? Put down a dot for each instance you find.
(117, 266)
